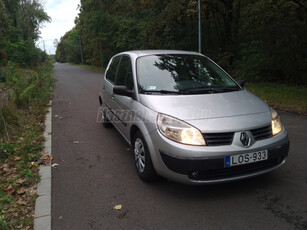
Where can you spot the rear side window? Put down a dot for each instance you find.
(111, 74)
(124, 76)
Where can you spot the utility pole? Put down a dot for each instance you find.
(199, 27)
(44, 46)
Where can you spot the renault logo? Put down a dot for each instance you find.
(245, 139)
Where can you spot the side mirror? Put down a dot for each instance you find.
(241, 83)
(122, 90)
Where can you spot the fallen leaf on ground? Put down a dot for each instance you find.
(54, 165)
(76, 142)
(60, 217)
(118, 207)
(20, 181)
(17, 158)
(21, 202)
(10, 190)
(128, 149)
(35, 142)
(21, 191)
(32, 190)
(5, 168)
(56, 115)
(45, 160)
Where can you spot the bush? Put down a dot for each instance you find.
(8, 119)
(23, 53)
(2, 76)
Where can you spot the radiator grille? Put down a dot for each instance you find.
(217, 139)
(262, 133)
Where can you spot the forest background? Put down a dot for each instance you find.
(263, 42)
(254, 40)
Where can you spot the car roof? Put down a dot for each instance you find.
(140, 53)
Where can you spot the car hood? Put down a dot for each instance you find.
(206, 106)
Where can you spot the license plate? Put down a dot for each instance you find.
(246, 158)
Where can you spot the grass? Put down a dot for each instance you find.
(281, 96)
(26, 94)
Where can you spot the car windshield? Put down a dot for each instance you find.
(181, 74)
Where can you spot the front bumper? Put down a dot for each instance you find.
(204, 165)
(213, 169)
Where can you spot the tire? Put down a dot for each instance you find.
(142, 159)
(104, 120)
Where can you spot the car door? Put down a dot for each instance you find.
(108, 85)
(122, 104)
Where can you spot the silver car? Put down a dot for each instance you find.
(187, 120)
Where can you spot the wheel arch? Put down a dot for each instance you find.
(100, 100)
(144, 131)
(133, 131)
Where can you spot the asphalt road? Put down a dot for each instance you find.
(96, 172)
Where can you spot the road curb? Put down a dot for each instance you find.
(42, 215)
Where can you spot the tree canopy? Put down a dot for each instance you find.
(20, 22)
(255, 40)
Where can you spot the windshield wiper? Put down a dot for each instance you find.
(198, 90)
(230, 89)
(208, 90)
(160, 91)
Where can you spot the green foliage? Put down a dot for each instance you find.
(20, 22)
(29, 86)
(2, 76)
(4, 225)
(24, 94)
(6, 149)
(52, 58)
(263, 40)
(24, 88)
(68, 49)
(21, 140)
(8, 119)
(274, 42)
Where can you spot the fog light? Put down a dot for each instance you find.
(195, 174)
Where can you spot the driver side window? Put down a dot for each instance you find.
(111, 74)
(124, 76)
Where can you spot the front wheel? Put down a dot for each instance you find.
(143, 163)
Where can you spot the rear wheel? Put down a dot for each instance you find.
(143, 163)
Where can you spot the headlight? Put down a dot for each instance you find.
(276, 123)
(179, 131)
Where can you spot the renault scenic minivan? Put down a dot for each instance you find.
(187, 120)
